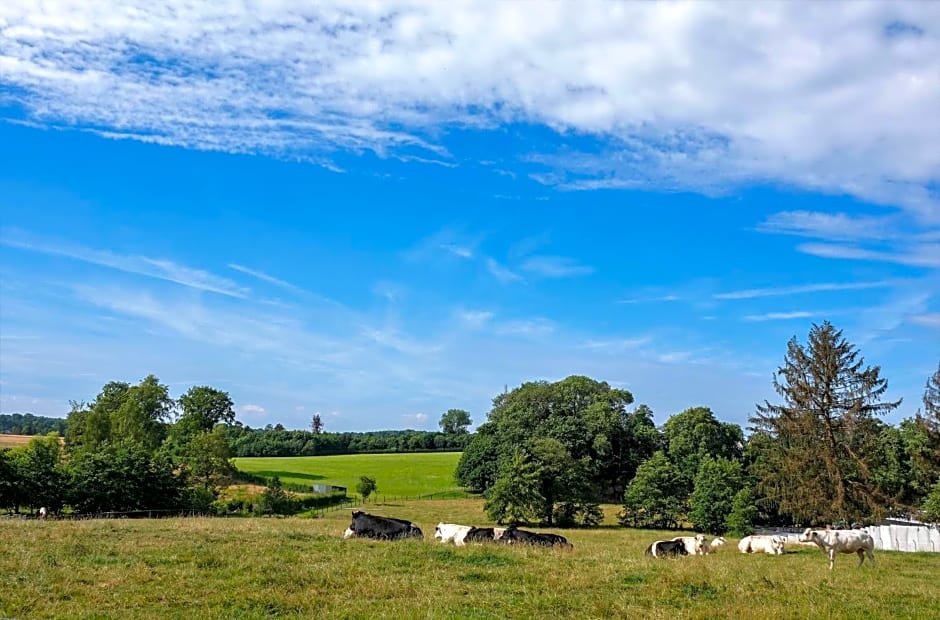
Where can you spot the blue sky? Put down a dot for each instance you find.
(380, 213)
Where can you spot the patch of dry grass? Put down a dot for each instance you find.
(15, 441)
(254, 568)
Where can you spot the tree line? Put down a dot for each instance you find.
(29, 424)
(278, 441)
(275, 440)
(552, 452)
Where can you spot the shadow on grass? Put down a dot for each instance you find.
(285, 475)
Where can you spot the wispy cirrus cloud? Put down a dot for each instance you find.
(780, 316)
(785, 291)
(649, 300)
(501, 272)
(268, 278)
(555, 267)
(919, 255)
(928, 319)
(831, 226)
(671, 102)
(160, 269)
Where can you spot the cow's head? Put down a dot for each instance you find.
(349, 533)
(437, 531)
(809, 535)
(357, 513)
(699, 542)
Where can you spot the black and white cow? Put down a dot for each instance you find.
(665, 548)
(384, 528)
(479, 534)
(515, 535)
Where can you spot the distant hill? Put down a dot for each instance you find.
(29, 424)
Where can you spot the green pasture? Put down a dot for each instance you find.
(397, 475)
(301, 568)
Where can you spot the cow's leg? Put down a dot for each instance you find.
(871, 556)
(861, 556)
(832, 558)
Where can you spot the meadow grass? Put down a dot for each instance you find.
(397, 475)
(15, 441)
(291, 567)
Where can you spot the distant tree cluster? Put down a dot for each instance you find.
(29, 424)
(549, 452)
(132, 448)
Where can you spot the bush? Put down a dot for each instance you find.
(276, 501)
(932, 504)
(740, 521)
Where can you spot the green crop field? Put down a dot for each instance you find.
(301, 568)
(409, 474)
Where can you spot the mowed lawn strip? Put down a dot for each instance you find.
(291, 567)
(397, 475)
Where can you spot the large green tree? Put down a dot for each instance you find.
(818, 465)
(595, 447)
(41, 473)
(455, 422)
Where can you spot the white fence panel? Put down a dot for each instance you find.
(909, 538)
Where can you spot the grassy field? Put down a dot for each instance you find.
(259, 568)
(396, 474)
(14, 441)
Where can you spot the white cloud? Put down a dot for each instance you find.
(555, 267)
(682, 95)
(831, 226)
(251, 410)
(928, 319)
(475, 318)
(140, 265)
(268, 278)
(649, 300)
(782, 291)
(500, 272)
(779, 316)
(915, 255)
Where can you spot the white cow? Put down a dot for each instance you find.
(842, 541)
(712, 546)
(694, 545)
(43, 513)
(772, 545)
(451, 532)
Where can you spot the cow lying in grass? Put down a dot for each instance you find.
(667, 548)
(694, 545)
(513, 535)
(772, 545)
(384, 528)
(451, 532)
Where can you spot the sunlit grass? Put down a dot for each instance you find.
(254, 568)
(397, 475)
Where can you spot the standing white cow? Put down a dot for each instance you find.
(772, 545)
(43, 513)
(842, 541)
(451, 532)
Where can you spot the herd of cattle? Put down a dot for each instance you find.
(830, 541)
